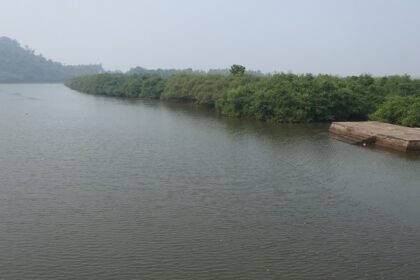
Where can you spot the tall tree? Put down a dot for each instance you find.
(237, 69)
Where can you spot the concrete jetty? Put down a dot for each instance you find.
(386, 135)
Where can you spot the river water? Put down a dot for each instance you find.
(102, 188)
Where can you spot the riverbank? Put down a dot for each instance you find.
(280, 98)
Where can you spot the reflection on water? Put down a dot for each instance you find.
(102, 188)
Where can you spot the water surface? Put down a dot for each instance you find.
(102, 188)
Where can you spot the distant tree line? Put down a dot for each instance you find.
(189, 71)
(284, 97)
(18, 64)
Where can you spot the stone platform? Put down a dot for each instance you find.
(386, 135)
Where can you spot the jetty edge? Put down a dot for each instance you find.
(395, 137)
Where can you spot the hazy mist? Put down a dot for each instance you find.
(336, 37)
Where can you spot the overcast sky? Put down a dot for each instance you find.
(320, 36)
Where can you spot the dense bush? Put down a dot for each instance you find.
(202, 89)
(120, 85)
(402, 110)
(296, 98)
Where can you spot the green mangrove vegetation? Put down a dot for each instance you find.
(119, 85)
(284, 97)
(402, 110)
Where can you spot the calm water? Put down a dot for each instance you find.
(102, 188)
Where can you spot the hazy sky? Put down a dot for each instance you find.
(318, 36)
